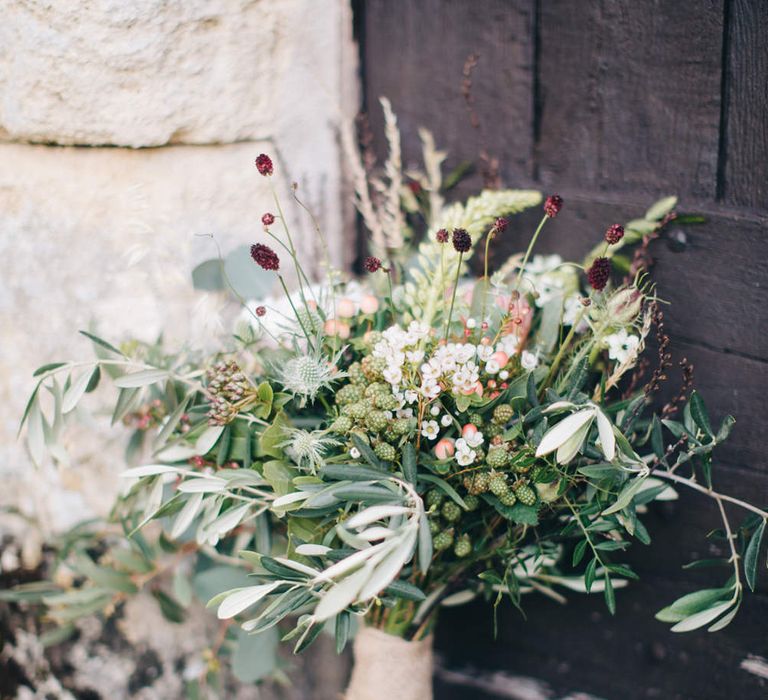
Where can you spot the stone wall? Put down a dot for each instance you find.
(128, 132)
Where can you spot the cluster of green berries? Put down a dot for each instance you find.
(446, 517)
(226, 385)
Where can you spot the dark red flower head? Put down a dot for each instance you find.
(441, 236)
(614, 233)
(264, 164)
(268, 219)
(372, 264)
(552, 205)
(261, 310)
(500, 225)
(265, 257)
(599, 273)
(462, 241)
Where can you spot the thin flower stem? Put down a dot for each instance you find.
(563, 347)
(485, 281)
(528, 252)
(453, 296)
(296, 313)
(690, 483)
(391, 298)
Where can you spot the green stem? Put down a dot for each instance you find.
(453, 296)
(295, 312)
(485, 282)
(561, 352)
(528, 252)
(390, 298)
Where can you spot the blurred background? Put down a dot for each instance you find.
(127, 137)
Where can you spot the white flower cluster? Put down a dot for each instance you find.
(622, 345)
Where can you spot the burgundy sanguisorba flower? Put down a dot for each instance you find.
(614, 233)
(261, 311)
(268, 219)
(599, 273)
(441, 236)
(462, 241)
(500, 225)
(265, 257)
(264, 164)
(371, 264)
(552, 205)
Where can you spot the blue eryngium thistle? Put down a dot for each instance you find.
(305, 375)
(307, 448)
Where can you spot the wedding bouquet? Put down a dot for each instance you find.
(369, 450)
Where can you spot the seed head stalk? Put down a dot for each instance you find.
(453, 296)
(528, 252)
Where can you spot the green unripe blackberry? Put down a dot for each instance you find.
(498, 457)
(385, 451)
(502, 414)
(463, 546)
(508, 499)
(451, 512)
(351, 393)
(356, 374)
(525, 494)
(373, 367)
(434, 498)
(434, 526)
(498, 485)
(476, 419)
(472, 501)
(482, 482)
(373, 337)
(479, 454)
(343, 424)
(375, 389)
(491, 430)
(401, 426)
(443, 540)
(358, 410)
(386, 402)
(376, 421)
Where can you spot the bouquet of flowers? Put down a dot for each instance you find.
(368, 451)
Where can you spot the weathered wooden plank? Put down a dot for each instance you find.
(580, 647)
(745, 150)
(414, 53)
(630, 95)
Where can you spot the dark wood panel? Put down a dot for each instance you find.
(414, 53)
(746, 147)
(580, 647)
(630, 95)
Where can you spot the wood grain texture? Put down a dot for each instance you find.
(745, 150)
(404, 43)
(630, 95)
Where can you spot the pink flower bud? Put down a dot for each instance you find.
(444, 449)
(501, 358)
(334, 327)
(369, 304)
(345, 308)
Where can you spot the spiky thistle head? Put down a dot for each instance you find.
(307, 448)
(305, 375)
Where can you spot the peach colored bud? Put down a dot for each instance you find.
(501, 358)
(444, 449)
(469, 430)
(312, 305)
(334, 327)
(369, 304)
(345, 308)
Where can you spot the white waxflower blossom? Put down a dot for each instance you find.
(410, 396)
(393, 375)
(621, 345)
(492, 367)
(465, 457)
(354, 453)
(414, 356)
(474, 439)
(404, 413)
(529, 361)
(430, 429)
(471, 323)
(446, 420)
(508, 344)
(503, 375)
(484, 352)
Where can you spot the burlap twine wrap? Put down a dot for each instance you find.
(390, 668)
